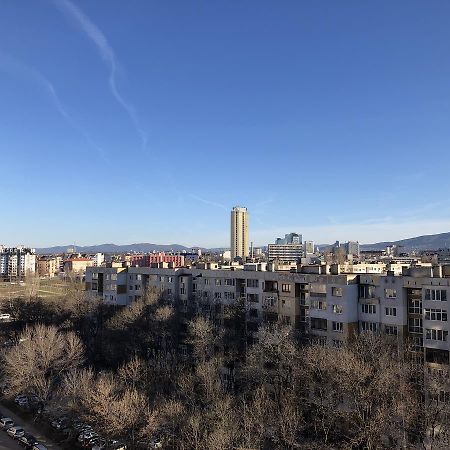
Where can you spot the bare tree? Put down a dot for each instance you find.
(39, 361)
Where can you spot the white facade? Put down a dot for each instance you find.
(17, 262)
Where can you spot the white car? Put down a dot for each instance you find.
(6, 422)
(15, 432)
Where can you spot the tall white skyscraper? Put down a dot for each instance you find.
(239, 232)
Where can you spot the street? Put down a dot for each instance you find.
(7, 443)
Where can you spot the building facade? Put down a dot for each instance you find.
(239, 233)
(285, 252)
(17, 262)
(77, 265)
(326, 308)
(49, 266)
(155, 258)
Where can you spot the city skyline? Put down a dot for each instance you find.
(108, 108)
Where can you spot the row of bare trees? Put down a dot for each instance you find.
(122, 370)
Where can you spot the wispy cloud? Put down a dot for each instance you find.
(11, 65)
(207, 202)
(107, 54)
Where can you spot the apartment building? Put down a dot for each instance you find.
(327, 308)
(16, 262)
(239, 233)
(146, 260)
(49, 266)
(77, 265)
(285, 252)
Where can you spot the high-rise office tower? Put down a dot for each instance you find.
(239, 232)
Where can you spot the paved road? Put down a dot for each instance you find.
(7, 443)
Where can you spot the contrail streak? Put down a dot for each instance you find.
(10, 65)
(107, 54)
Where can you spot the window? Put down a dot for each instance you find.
(391, 330)
(390, 293)
(206, 281)
(229, 282)
(391, 311)
(369, 309)
(217, 295)
(182, 290)
(366, 291)
(337, 343)
(415, 325)
(436, 335)
(337, 309)
(169, 291)
(369, 326)
(286, 288)
(218, 282)
(338, 326)
(252, 283)
(269, 301)
(252, 298)
(318, 324)
(194, 287)
(229, 295)
(161, 279)
(336, 291)
(414, 306)
(436, 314)
(319, 304)
(114, 276)
(170, 279)
(438, 295)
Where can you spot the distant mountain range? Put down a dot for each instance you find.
(426, 242)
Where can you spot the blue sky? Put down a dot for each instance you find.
(146, 121)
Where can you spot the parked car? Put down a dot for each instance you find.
(39, 447)
(15, 432)
(28, 440)
(6, 422)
